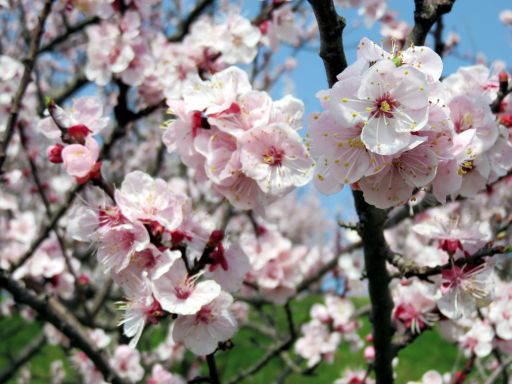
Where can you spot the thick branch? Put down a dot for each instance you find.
(330, 26)
(29, 63)
(371, 221)
(425, 16)
(64, 322)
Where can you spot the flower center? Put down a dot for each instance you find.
(384, 106)
(182, 292)
(273, 156)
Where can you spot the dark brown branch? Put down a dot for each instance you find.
(42, 194)
(330, 26)
(45, 231)
(306, 283)
(409, 269)
(69, 31)
(283, 346)
(212, 368)
(371, 223)
(494, 377)
(184, 28)
(503, 91)
(371, 219)
(439, 45)
(67, 91)
(61, 319)
(425, 16)
(404, 212)
(273, 352)
(29, 63)
(460, 377)
(28, 353)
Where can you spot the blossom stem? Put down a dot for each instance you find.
(212, 367)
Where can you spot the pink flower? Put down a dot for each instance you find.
(414, 306)
(179, 293)
(506, 16)
(275, 158)
(213, 323)
(390, 102)
(108, 52)
(219, 93)
(118, 244)
(341, 156)
(87, 111)
(422, 58)
(317, 343)
(159, 375)
(478, 340)
(239, 40)
(464, 289)
(229, 267)
(79, 160)
(126, 362)
(394, 184)
(149, 200)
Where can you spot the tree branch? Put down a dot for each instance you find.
(409, 269)
(30, 351)
(69, 31)
(29, 63)
(212, 368)
(184, 28)
(425, 16)
(63, 321)
(330, 26)
(371, 221)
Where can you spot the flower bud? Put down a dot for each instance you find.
(78, 133)
(54, 153)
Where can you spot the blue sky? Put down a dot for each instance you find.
(476, 21)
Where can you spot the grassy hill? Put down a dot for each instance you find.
(429, 351)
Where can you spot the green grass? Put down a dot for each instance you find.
(429, 351)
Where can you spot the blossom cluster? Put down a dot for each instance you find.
(391, 127)
(151, 243)
(239, 139)
(126, 48)
(329, 325)
(74, 132)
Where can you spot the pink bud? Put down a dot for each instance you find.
(78, 133)
(506, 120)
(264, 27)
(369, 353)
(54, 153)
(450, 246)
(83, 280)
(216, 237)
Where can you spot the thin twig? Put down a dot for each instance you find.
(29, 63)
(60, 318)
